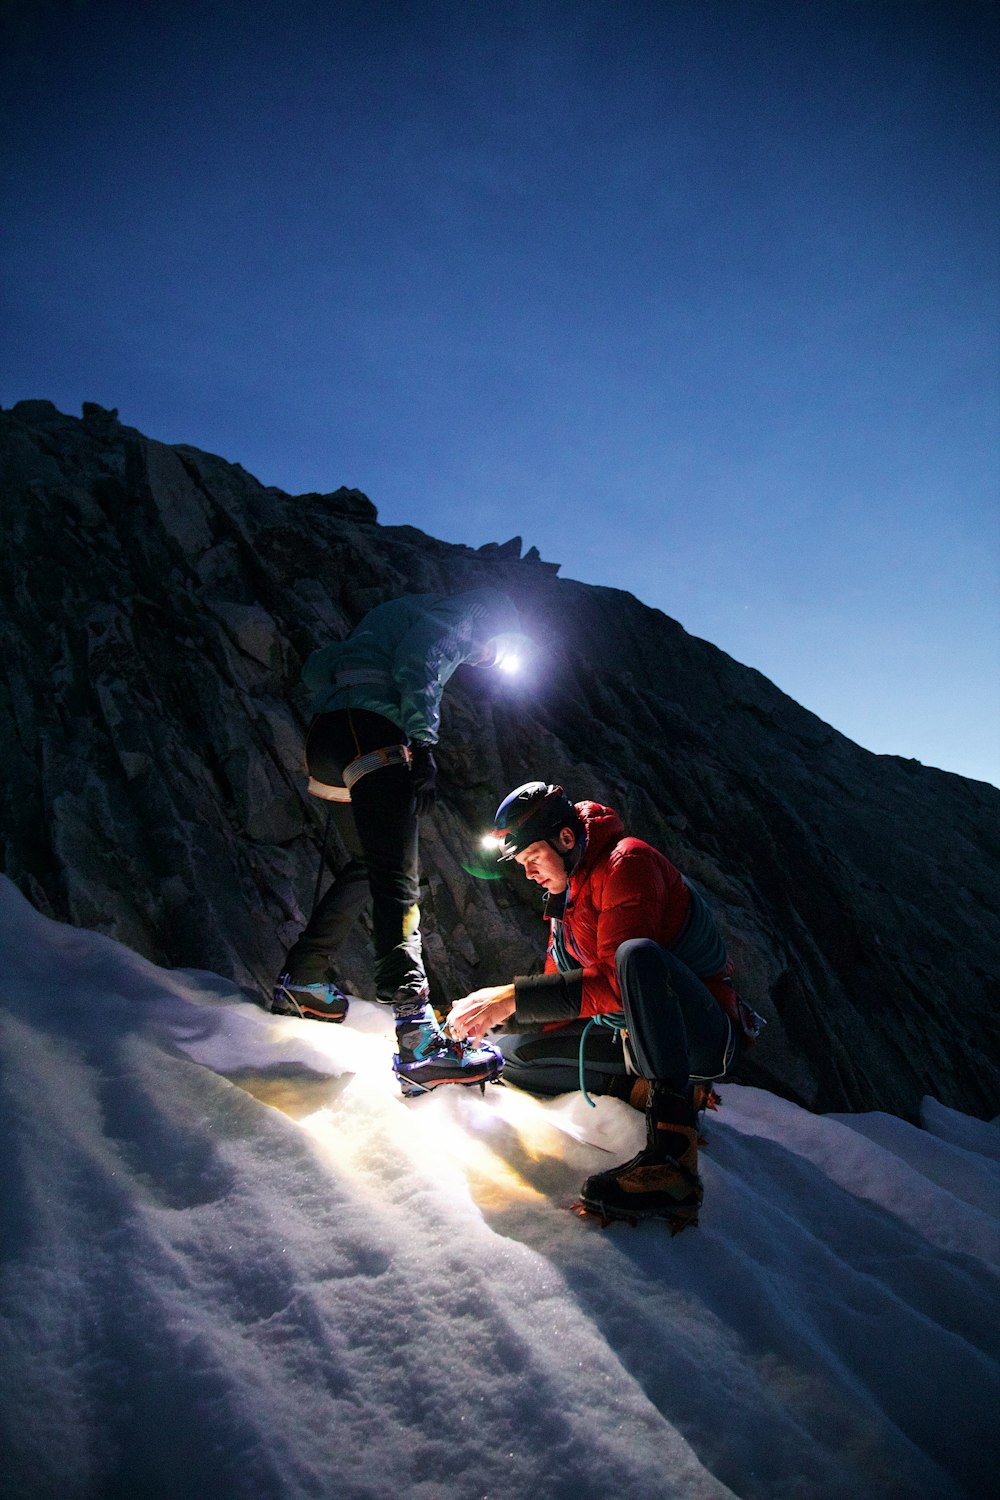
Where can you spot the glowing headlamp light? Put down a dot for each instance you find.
(507, 660)
(505, 652)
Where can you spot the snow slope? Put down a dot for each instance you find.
(236, 1263)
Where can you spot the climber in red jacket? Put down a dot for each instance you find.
(633, 943)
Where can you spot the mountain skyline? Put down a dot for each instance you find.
(700, 299)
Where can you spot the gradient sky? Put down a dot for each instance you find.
(702, 299)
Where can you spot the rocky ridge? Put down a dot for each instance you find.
(156, 605)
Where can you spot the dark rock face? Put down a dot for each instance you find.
(157, 604)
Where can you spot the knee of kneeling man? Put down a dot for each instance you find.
(635, 949)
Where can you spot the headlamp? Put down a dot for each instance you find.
(486, 865)
(508, 661)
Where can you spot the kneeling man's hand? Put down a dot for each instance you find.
(470, 1019)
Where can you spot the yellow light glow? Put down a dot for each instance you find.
(497, 1150)
(490, 1179)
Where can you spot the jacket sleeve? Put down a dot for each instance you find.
(554, 996)
(543, 998)
(320, 665)
(632, 900)
(436, 644)
(420, 670)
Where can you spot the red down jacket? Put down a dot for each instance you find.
(622, 888)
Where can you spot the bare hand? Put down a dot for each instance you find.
(470, 1019)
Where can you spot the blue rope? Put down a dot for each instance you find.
(616, 1020)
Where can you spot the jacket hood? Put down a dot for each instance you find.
(603, 827)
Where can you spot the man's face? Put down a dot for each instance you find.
(544, 866)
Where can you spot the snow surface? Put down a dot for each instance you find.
(237, 1263)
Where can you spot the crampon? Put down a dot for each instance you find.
(676, 1219)
(411, 1089)
(310, 1002)
(427, 1059)
(661, 1181)
(704, 1096)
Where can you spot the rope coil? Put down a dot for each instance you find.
(615, 1021)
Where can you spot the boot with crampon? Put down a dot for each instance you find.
(322, 1001)
(426, 1058)
(662, 1181)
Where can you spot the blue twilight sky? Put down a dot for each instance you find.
(700, 298)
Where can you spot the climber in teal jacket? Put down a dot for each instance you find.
(369, 752)
(397, 661)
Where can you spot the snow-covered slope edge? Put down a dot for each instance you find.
(236, 1263)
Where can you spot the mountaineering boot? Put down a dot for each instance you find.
(426, 1058)
(662, 1181)
(313, 1002)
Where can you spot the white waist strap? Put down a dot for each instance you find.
(374, 760)
(389, 755)
(328, 793)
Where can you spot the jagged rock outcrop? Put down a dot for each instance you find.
(157, 603)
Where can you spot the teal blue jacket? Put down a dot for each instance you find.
(397, 661)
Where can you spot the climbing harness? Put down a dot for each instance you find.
(328, 793)
(389, 755)
(374, 760)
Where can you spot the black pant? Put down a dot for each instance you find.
(379, 829)
(676, 1032)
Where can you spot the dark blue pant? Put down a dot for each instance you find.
(548, 1062)
(379, 830)
(676, 1032)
